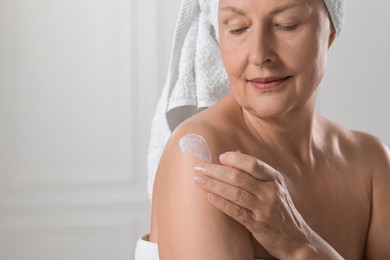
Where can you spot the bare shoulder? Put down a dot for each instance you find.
(377, 158)
(372, 157)
(364, 147)
(218, 125)
(363, 150)
(189, 227)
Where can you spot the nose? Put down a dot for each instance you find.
(261, 48)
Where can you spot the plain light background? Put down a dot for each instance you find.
(79, 81)
(355, 91)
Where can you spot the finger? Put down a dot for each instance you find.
(228, 175)
(240, 214)
(229, 192)
(256, 167)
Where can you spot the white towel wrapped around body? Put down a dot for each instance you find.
(196, 75)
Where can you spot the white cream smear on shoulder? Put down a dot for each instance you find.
(197, 146)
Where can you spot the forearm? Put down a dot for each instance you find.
(316, 248)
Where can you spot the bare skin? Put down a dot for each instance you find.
(335, 198)
(326, 195)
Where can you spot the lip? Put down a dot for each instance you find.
(268, 83)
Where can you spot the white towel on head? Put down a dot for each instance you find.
(196, 76)
(336, 11)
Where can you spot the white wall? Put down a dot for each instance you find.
(79, 81)
(78, 85)
(356, 89)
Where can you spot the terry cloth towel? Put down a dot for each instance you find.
(336, 10)
(196, 75)
(146, 250)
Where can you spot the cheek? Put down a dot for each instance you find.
(308, 56)
(318, 47)
(319, 58)
(233, 69)
(234, 59)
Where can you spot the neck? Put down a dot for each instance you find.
(290, 135)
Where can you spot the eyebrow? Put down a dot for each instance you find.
(275, 11)
(234, 10)
(286, 7)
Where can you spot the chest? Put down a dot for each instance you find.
(336, 205)
(337, 210)
(334, 198)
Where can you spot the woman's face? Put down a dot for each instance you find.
(274, 52)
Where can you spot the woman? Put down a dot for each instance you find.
(283, 182)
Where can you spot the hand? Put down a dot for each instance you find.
(255, 195)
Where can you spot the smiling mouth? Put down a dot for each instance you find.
(268, 83)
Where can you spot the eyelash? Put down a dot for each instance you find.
(278, 26)
(287, 27)
(238, 31)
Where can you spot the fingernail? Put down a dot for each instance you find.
(222, 157)
(199, 168)
(211, 197)
(199, 179)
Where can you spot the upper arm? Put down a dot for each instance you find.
(378, 245)
(189, 227)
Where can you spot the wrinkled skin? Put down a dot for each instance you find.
(291, 184)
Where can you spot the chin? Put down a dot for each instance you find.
(267, 107)
(264, 112)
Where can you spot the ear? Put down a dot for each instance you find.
(332, 37)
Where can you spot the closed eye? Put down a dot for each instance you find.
(238, 31)
(289, 27)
